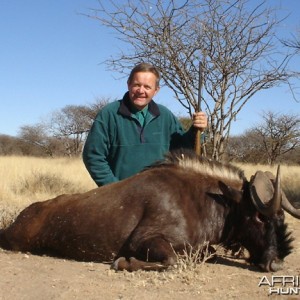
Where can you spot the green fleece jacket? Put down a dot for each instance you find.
(117, 145)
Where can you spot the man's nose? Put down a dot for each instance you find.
(141, 89)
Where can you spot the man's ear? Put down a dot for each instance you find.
(157, 90)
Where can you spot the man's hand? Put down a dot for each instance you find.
(200, 120)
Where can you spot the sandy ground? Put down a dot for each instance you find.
(26, 276)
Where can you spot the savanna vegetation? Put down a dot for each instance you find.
(232, 40)
(29, 179)
(275, 139)
(240, 50)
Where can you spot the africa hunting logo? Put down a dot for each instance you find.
(281, 285)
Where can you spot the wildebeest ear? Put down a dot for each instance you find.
(230, 193)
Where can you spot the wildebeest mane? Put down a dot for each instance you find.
(188, 159)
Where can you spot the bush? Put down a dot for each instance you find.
(51, 184)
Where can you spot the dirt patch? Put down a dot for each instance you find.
(26, 276)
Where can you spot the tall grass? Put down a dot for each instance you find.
(28, 179)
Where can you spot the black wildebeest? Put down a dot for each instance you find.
(143, 221)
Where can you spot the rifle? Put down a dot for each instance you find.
(198, 108)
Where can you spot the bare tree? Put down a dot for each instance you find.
(63, 134)
(70, 125)
(294, 41)
(279, 134)
(275, 139)
(246, 148)
(9, 145)
(93, 108)
(234, 40)
(36, 135)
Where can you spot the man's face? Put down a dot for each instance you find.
(142, 89)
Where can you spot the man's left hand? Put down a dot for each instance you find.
(200, 120)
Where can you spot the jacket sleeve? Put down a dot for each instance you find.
(96, 151)
(181, 138)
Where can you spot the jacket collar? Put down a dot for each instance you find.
(124, 108)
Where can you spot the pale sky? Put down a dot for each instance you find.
(51, 56)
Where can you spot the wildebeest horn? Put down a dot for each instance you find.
(286, 204)
(265, 195)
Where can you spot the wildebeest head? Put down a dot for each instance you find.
(263, 231)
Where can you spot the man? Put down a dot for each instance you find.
(131, 134)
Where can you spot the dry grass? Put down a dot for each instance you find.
(192, 257)
(28, 179)
(290, 178)
(25, 180)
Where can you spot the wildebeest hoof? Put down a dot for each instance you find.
(120, 264)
